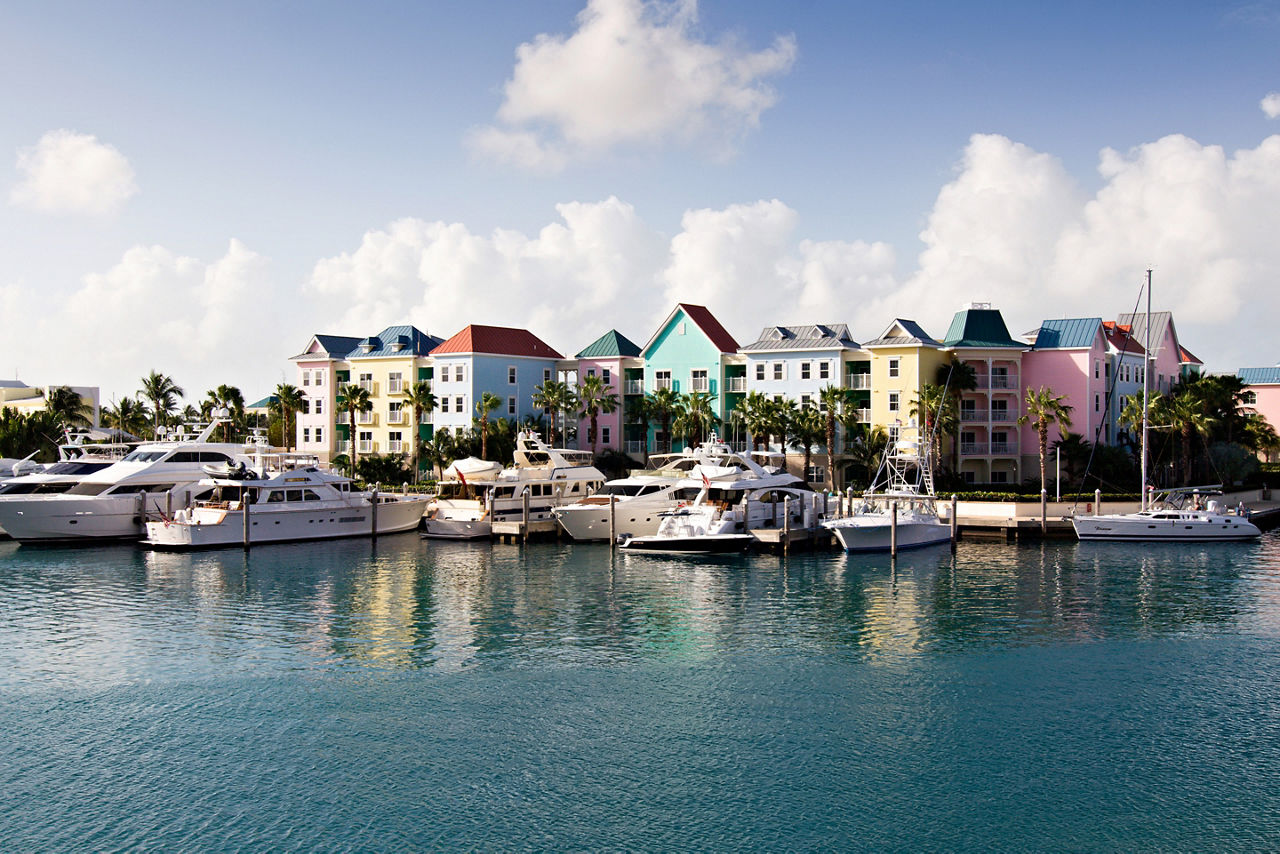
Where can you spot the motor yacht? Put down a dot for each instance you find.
(292, 505)
(468, 504)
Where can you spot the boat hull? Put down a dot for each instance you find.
(59, 519)
(1210, 529)
(875, 534)
(705, 544)
(285, 525)
(592, 522)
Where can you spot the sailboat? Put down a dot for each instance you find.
(1174, 515)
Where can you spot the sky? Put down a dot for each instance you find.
(198, 188)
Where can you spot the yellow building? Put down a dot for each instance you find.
(22, 398)
(386, 365)
(903, 359)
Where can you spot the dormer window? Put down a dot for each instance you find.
(366, 348)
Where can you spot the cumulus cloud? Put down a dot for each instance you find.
(1271, 105)
(69, 172)
(633, 73)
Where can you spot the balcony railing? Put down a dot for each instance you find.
(657, 384)
(996, 381)
(732, 384)
(394, 446)
(972, 449)
(864, 416)
(1004, 449)
(968, 415)
(699, 384)
(370, 386)
(633, 387)
(397, 417)
(366, 418)
(1004, 416)
(635, 446)
(858, 381)
(395, 386)
(982, 449)
(367, 447)
(344, 446)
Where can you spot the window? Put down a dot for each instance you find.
(306, 435)
(893, 401)
(319, 378)
(1097, 403)
(604, 436)
(1249, 398)
(968, 477)
(1097, 372)
(306, 406)
(366, 441)
(661, 379)
(546, 375)
(394, 412)
(999, 477)
(511, 406)
(806, 401)
(824, 370)
(591, 372)
(816, 474)
(318, 408)
(395, 383)
(777, 371)
(306, 378)
(608, 377)
(759, 370)
(394, 441)
(459, 404)
(698, 380)
(511, 374)
(319, 434)
(459, 373)
(894, 368)
(806, 370)
(366, 382)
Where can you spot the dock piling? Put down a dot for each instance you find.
(613, 522)
(893, 529)
(955, 521)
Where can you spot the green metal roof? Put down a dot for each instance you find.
(979, 327)
(1069, 333)
(612, 343)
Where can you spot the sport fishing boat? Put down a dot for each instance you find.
(642, 497)
(476, 493)
(1172, 515)
(299, 504)
(724, 513)
(901, 495)
(78, 457)
(111, 503)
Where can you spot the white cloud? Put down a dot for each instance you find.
(69, 172)
(1271, 105)
(632, 73)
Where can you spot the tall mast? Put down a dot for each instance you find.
(1146, 392)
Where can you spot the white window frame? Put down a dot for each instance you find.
(761, 370)
(779, 371)
(695, 385)
(662, 379)
(395, 411)
(319, 435)
(895, 402)
(511, 374)
(395, 442)
(318, 409)
(395, 382)
(824, 370)
(895, 366)
(511, 406)
(806, 370)
(604, 436)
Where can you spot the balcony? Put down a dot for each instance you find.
(367, 418)
(973, 449)
(395, 386)
(397, 417)
(633, 387)
(369, 386)
(982, 449)
(635, 446)
(1004, 449)
(735, 384)
(699, 384)
(858, 381)
(661, 383)
(344, 446)
(1004, 416)
(996, 381)
(394, 446)
(367, 446)
(864, 416)
(969, 415)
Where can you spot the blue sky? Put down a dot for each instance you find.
(271, 148)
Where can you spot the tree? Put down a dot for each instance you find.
(938, 414)
(638, 413)
(864, 446)
(420, 399)
(1258, 435)
(555, 397)
(595, 397)
(1074, 450)
(354, 399)
(129, 415)
(487, 403)
(1187, 415)
(695, 419)
(806, 429)
(1045, 409)
(663, 404)
(163, 393)
(756, 414)
(68, 407)
(289, 401)
(781, 412)
(833, 398)
(231, 399)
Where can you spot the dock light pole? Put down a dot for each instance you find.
(1057, 480)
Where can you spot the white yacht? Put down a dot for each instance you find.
(724, 513)
(298, 504)
(904, 479)
(1174, 515)
(642, 497)
(111, 503)
(476, 493)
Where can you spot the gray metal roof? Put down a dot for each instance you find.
(1160, 322)
(817, 336)
(903, 332)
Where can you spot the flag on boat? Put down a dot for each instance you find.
(706, 482)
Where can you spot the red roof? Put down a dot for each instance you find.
(1187, 357)
(497, 341)
(1120, 336)
(711, 327)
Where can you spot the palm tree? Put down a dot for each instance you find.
(68, 407)
(781, 414)
(663, 404)
(163, 392)
(756, 415)
(1259, 435)
(595, 397)
(289, 401)
(487, 403)
(1045, 409)
(555, 397)
(807, 429)
(420, 399)
(939, 414)
(129, 415)
(695, 418)
(864, 446)
(833, 399)
(354, 399)
(230, 398)
(638, 413)
(1186, 413)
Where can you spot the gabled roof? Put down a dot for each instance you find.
(979, 327)
(902, 332)
(1120, 338)
(1186, 357)
(1260, 376)
(704, 320)
(1161, 321)
(1075, 333)
(497, 341)
(394, 341)
(819, 336)
(266, 403)
(612, 343)
(331, 346)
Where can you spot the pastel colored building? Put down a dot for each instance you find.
(387, 365)
(1262, 395)
(317, 378)
(904, 359)
(1069, 358)
(509, 363)
(1167, 355)
(22, 398)
(615, 359)
(1124, 375)
(692, 352)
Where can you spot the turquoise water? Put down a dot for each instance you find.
(415, 695)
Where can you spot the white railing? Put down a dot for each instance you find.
(1004, 416)
(1004, 381)
(864, 415)
(973, 414)
(657, 384)
(370, 386)
(858, 381)
(394, 446)
(344, 417)
(732, 384)
(344, 446)
(633, 387)
(1004, 449)
(365, 418)
(635, 446)
(395, 386)
(699, 384)
(366, 446)
(396, 417)
(969, 449)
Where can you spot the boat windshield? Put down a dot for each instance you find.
(145, 456)
(620, 489)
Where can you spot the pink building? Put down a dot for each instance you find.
(617, 360)
(1069, 357)
(1167, 365)
(1262, 395)
(318, 366)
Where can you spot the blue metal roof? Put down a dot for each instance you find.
(1260, 376)
(395, 341)
(1068, 333)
